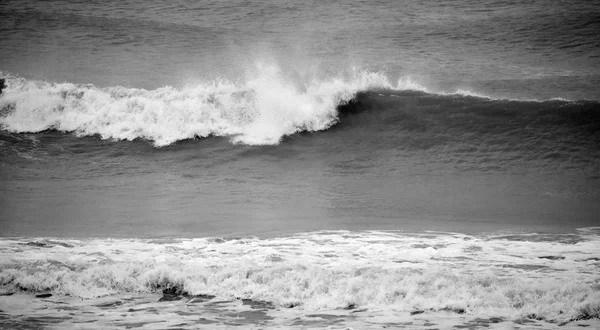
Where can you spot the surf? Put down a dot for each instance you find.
(259, 110)
(544, 277)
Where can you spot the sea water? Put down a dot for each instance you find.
(279, 164)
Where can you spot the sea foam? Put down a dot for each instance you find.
(258, 110)
(509, 277)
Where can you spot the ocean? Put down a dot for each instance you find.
(299, 164)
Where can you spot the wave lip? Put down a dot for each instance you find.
(257, 111)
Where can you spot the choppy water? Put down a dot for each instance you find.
(299, 159)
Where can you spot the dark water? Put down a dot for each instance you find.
(393, 160)
(267, 155)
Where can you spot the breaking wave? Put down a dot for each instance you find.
(259, 110)
(270, 104)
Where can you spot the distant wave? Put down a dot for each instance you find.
(259, 110)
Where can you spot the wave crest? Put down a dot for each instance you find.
(259, 110)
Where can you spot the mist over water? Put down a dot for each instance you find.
(389, 163)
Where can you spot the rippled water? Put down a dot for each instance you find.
(534, 49)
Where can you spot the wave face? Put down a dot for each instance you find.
(477, 131)
(544, 277)
(258, 111)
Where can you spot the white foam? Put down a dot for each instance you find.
(326, 271)
(261, 109)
